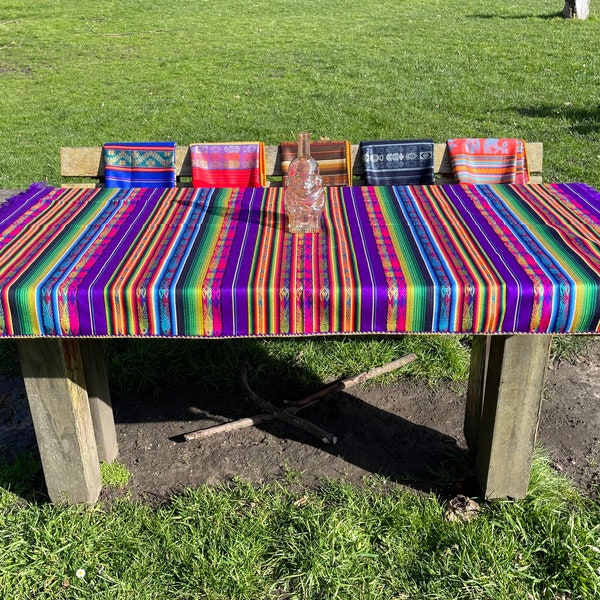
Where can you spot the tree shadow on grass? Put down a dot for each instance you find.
(582, 121)
(22, 475)
(521, 17)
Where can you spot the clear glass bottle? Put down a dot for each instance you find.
(304, 199)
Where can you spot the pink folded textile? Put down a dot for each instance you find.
(228, 165)
(488, 160)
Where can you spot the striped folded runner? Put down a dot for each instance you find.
(139, 164)
(488, 160)
(228, 164)
(334, 158)
(397, 162)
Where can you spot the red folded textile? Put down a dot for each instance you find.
(488, 160)
(228, 164)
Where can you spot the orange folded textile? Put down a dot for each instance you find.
(228, 164)
(488, 160)
(334, 158)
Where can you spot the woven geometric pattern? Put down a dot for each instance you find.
(228, 164)
(139, 164)
(400, 162)
(488, 160)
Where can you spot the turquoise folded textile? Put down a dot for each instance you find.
(139, 164)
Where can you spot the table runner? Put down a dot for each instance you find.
(220, 262)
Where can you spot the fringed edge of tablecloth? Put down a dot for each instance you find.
(34, 188)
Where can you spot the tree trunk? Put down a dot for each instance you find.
(576, 8)
(582, 8)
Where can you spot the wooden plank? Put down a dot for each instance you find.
(513, 396)
(87, 162)
(55, 385)
(475, 391)
(81, 162)
(92, 356)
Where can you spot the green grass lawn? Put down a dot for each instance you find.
(76, 74)
(87, 72)
(245, 542)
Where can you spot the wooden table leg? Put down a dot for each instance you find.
(480, 351)
(514, 383)
(55, 385)
(92, 356)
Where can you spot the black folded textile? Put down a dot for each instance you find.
(397, 162)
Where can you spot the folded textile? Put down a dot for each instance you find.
(139, 164)
(397, 162)
(334, 158)
(489, 160)
(228, 165)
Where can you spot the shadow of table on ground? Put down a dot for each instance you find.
(405, 432)
(374, 438)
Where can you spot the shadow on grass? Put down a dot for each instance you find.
(195, 384)
(582, 121)
(544, 17)
(23, 477)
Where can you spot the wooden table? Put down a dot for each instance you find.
(511, 265)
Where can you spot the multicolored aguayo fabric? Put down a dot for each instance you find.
(230, 164)
(334, 158)
(220, 262)
(139, 164)
(488, 160)
(399, 162)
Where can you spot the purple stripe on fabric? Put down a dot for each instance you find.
(517, 306)
(546, 268)
(540, 284)
(195, 205)
(439, 272)
(583, 196)
(236, 278)
(372, 281)
(80, 302)
(99, 280)
(15, 206)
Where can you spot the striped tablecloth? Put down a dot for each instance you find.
(220, 263)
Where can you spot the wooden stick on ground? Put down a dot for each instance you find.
(344, 384)
(287, 414)
(201, 434)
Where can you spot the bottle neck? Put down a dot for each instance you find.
(304, 144)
